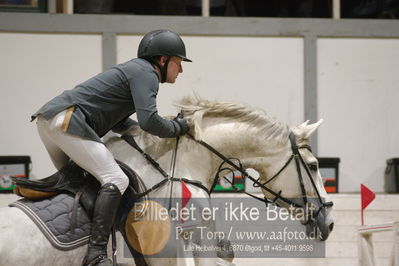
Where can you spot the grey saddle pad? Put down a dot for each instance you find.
(54, 218)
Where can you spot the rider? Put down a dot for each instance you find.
(71, 124)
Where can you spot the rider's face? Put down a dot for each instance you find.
(174, 68)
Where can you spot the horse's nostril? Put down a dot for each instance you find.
(331, 227)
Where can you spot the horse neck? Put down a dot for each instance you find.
(192, 160)
(233, 141)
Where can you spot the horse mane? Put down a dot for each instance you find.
(195, 109)
(253, 121)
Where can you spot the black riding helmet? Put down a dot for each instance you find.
(162, 43)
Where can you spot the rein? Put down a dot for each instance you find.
(130, 140)
(277, 195)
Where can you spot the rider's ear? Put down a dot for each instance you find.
(162, 60)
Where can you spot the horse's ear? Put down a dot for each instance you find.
(304, 124)
(304, 131)
(310, 129)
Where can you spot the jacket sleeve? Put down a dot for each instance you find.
(144, 88)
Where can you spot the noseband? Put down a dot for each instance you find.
(277, 195)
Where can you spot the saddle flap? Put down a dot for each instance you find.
(70, 178)
(36, 184)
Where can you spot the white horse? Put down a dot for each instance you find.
(235, 130)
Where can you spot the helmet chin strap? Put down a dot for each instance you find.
(163, 69)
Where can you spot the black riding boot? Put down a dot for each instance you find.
(103, 219)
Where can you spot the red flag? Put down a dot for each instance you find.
(367, 196)
(185, 194)
(185, 198)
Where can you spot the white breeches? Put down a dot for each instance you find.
(92, 156)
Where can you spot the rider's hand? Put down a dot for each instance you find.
(182, 123)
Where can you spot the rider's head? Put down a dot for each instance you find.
(161, 47)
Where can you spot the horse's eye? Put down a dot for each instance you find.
(313, 167)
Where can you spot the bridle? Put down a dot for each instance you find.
(278, 198)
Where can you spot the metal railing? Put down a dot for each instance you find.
(205, 7)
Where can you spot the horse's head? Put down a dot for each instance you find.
(291, 177)
(282, 156)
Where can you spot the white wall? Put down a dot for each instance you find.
(358, 98)
(33, 69)
(357, 83)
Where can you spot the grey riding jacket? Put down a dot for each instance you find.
(106, 101)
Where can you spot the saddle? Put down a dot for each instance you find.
(71, 179)
(70, 194)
